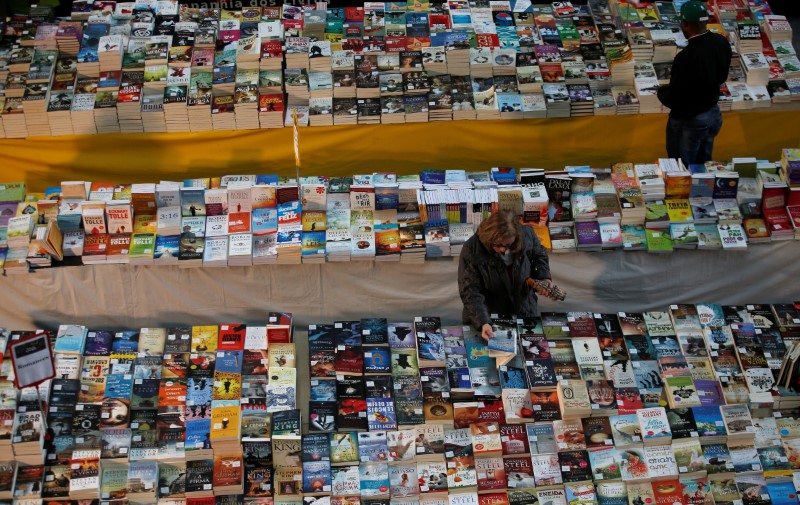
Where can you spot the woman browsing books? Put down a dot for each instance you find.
(497, 270)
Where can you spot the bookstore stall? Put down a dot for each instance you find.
(221, 330)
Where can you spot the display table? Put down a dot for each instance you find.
(408, 148)
(128, 297)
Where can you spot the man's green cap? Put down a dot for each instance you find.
(694, 11)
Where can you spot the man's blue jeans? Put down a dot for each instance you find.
(692, 140)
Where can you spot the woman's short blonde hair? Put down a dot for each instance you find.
(500, 227)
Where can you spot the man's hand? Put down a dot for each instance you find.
(486, 332)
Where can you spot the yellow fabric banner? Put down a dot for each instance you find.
(408, 148)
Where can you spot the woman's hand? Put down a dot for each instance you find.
(486, 332)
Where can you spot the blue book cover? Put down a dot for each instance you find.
(144, 394)
(432, 176)
(167, 246)
(193, 202)
(322, 391)
(782, 493)
(513, 378)
(119, 385)
(315, 447)
(322, 336)
(380, 414)
(372, 447)
(505, 335)
(377, 360)
(504, 175)
(710, 314)
(717, 458)
(478, 352)
(71, 339)
(264, 219)
(459, 378)
(386, 197)
(773, 459)
(726, 185)
(229, 361)
(125, 342)
(401, 336)
(98, 343)
(289, 211)
(108, 80)
(430, 346)
(666, 346)
(267, 180)
(347, 333)
(374, 330)
(640, 347)
(647, 374)
(198, 434)
(199, 391)
(374, 479)
(316, 477)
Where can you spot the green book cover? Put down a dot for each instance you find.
(656, 212)
(142, 244)
(683, 234)
(634, 236)
(12, 192)
(658, 241)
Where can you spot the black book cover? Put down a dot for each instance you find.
(378, 387)
(409, 411)
(681, 422)
(315, 447)
(322, 416)
(199, 474)
(179, 340)
(86, 418)
(575, 466)
(145, 394)
(349, 387)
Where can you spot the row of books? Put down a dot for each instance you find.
(251, 220)
(475, 442)
(198, 69)
(131, 413)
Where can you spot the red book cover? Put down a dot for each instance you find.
(487, 40)
(773, 198)
(231, 337)
(493, 499)
(270, 103)
(778, 219)
(629, 401)
(581, 325)
(239, 222)
(491, 474)
(271, 49)
(354, 13)
(278, 335)
(439, 21)
(395, 44)
(491, 411)
(349, 359)
(668, 492)
(228, 470)
(514, 439)
(172, 392)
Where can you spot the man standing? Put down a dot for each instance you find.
(693, 90)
